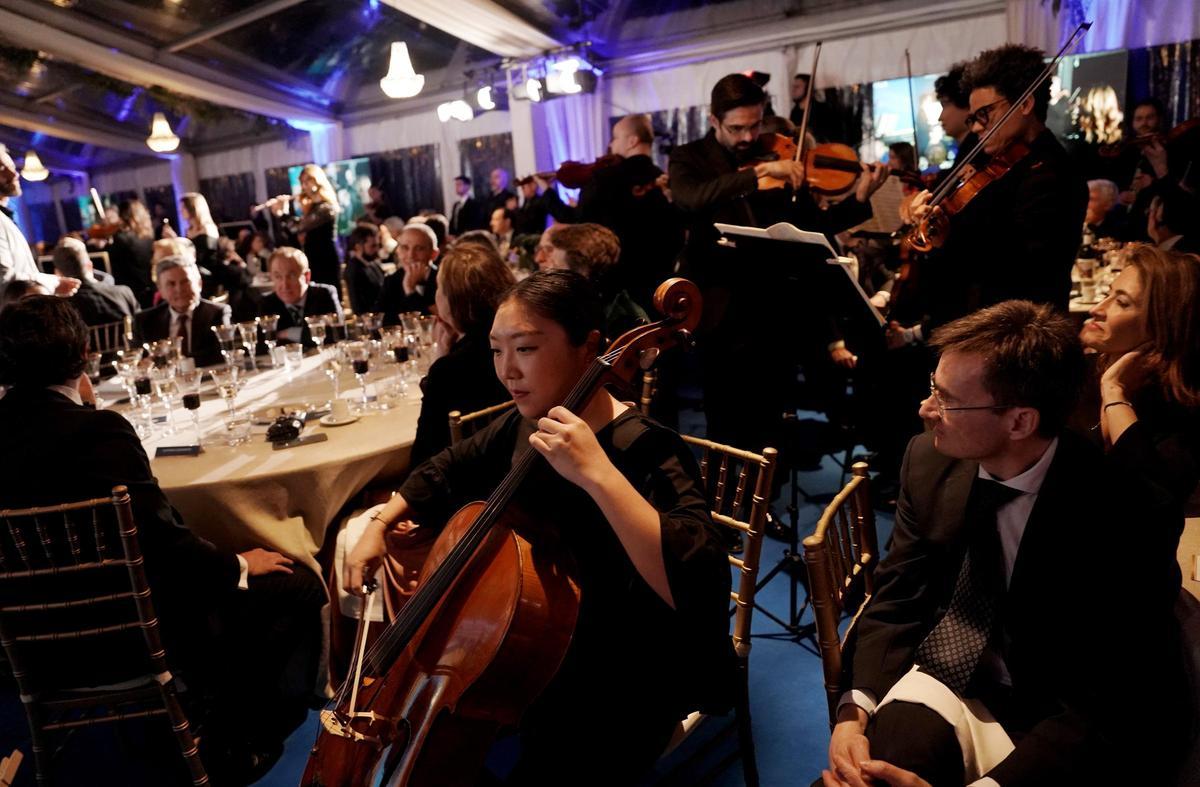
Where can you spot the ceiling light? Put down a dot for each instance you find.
(483, 98)
(455, 110)
(533, 89)
(401, 80)
(161, 139)
(33, 169)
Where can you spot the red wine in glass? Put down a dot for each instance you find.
(142, 386)
(191, 401)
(361, 367)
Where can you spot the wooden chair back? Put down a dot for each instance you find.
(72, 577)
(462, 426)
(110, 337)
(841, 556)
(738, 485)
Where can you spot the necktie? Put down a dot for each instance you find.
(181, 330)
(951, 651)
(297, 314)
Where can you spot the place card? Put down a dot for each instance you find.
(177, 450)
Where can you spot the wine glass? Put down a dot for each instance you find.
(316, 329)
(249, 331)
(332, 366)
(293, 357)
(337, 327)
(227, 339)
(370, 323)
(227, 381)
(92, 368)
(360, 360)
(189, 386)
(162, 378)
(270, 325)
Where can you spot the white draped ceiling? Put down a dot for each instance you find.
(484, 23)
(1116, 24)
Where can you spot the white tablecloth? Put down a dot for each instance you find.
(252, 495)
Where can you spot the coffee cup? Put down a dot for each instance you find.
(339, 410)
(1087, 290)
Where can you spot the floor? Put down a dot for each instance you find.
(787, 701)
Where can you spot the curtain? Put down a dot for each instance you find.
(411, 178)
(43, 216)
(481, 155)
(230, 197)
(278, 181)
(674, 127)
(72, 215)
(162, 204)
(1117, 24)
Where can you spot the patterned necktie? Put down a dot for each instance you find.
(951, 651)
(181, 330)
(296, 313)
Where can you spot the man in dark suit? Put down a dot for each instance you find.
(466, 214)
(296, 296)
(413, 285)
(97, 302)
(363, 274)
(183, 313)
(751, 291)
(973, 663)
(501, 195)
(49, 412)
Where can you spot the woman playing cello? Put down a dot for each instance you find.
(621, 497)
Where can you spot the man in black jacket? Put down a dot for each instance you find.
(985, 655)
(363, 274)
(751, 293)
(467, 213)
(297, 296)
(97, 301)
(182, 313)
(265, 608)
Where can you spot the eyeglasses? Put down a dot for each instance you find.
(737, 131)
(942, 409)
(983, 115)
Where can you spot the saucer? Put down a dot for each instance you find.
(329, 420)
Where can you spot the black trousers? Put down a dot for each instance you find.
(915, 738)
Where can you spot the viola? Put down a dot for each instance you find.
(487, 627)
(830, 168)
(103, 231)
(576, 175)
(1142, 140)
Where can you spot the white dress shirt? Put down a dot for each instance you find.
(16, 258)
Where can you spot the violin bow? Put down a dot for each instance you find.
(950, 182)
(912, 106)
(812, 87)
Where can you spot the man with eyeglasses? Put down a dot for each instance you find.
(986, 655)
(755, 300)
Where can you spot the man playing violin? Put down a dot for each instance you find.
(721, 178)
(1017, 239)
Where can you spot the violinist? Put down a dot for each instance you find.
(622, 496)
(747, 296)
(131, 250)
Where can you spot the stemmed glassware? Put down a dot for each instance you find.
(227, 383)
(360, 361)
(316, 329)
(227, 339)
(249, 331)
(189, 386)
(337, 327)
(92, 368)
(332, 365)
(163, 380)
(270, 326)
(370, 322)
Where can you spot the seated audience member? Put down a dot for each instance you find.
(1104, 218)
(363, 274)
(230, 622)
(436, 222)
(471, 281)
(626, 503)
(20, 289)
(592, 251)
(983, 657)
(297, 296)
(1172, 220)
(1147, 334)
(411, 288)
(481, 237)
(182, 313)
(98, 303)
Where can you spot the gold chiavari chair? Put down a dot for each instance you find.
(110, 337)
(465, 425)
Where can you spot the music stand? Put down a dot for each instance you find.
(807, 257)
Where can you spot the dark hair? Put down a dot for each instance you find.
(477, 237)
(360, 235)
(733, 91)
(43, 341)
(564, 297)
(474, 280)
(904, 152)
(1009, 70)
(1153, 103)
(1032, 357)
(464, 179)
(1171, 297)
(591, 250)
(135, 218)
(1179, 209)
(19, 289)
(949, 87)
(805, 77)
(440, 226)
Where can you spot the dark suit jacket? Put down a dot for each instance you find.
(318, 299)
(92, 451)
(364, 281)
(130, 258)
(99, 303)
(154, 324)
(394, 301)
(1079, 701)
(468, 217)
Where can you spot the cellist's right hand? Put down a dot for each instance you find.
(919, 208)
(363, 560)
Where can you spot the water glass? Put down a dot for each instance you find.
(316, 329)
(227, 384)
(92, 368)
(293, 357)
(332, 366)
(270, 326)
(237, 429)
(249, 331)
(227, 339)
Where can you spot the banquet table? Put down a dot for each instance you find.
(251, 495)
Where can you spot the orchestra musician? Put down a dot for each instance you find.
(717, 179)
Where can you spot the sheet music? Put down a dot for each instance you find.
(790, 233)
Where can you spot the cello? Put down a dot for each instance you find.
(486, 629)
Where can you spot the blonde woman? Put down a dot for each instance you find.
(317, 224)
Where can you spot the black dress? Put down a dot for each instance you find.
(464, 379)
(318, 227)
(635, 666)
(130, 258)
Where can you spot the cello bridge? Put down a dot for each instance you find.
(339, 724)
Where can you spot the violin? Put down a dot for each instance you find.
(487, 627)
(103, 231)
(1142, 140)
(576, 175)
(830, 168)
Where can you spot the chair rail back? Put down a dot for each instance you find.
(464, 425)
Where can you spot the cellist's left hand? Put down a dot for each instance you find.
(874, 176)
(570, 447)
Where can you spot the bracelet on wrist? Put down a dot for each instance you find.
(381, 520)
(1104, 409)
